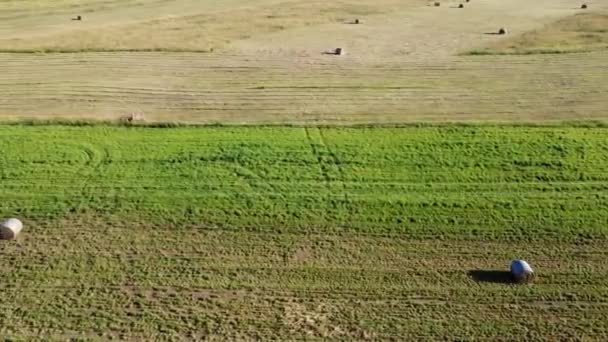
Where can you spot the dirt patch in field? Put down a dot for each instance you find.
(316, 322)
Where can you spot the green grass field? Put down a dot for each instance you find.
(418, 180)
(291, 232)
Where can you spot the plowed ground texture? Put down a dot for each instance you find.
(140, 233)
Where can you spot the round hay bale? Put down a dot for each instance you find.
(461, 6)
(467, 0)
(133, 117)
(339, 51)
(521, 272)
(437, 4)
(10, 229)
(502, 30)
(584, 6)
(357, 21)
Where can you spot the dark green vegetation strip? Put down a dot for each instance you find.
(291, 233)
(465, 181)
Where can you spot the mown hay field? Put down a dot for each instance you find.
(263, 61)
(292, 232)
(579, 33)
(212, 89)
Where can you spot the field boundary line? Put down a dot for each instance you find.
(63, 122)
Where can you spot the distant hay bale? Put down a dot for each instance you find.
(357, 21)
(339, 51)
(10, 229)
(502, 30)
(437, 4)
(467, 0)
(79, 18)
(521, 272)
(133, 117)
(461, 6)
(584, 6)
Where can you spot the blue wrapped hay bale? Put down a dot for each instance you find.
(521, 272)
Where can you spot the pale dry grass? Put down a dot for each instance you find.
(267, 65)
(419, 33)
(392, 29)
(29, 19)
(217, 87)
(578, 33)
(199, 31)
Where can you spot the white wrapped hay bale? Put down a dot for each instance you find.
(10, 228)
(521, 271)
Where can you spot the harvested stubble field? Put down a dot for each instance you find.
(291, 232)
(191, 88)
(579, 33)
(262, 61)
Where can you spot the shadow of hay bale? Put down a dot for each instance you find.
(491, 276)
